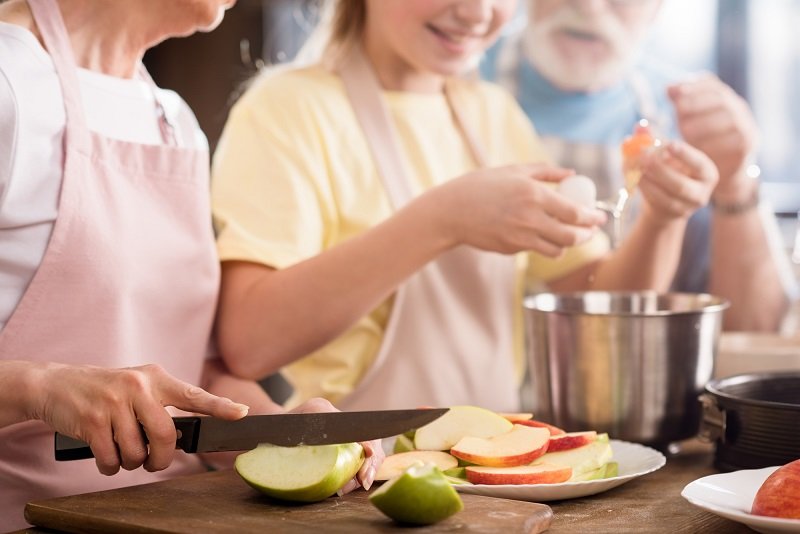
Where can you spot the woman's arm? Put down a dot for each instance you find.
(107, 408)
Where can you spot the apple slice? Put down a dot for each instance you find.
(520, 446)
(523, 474)
(303, 474)
(403, 444)
(571, 440)
(516, 417)
(460, 421)
(554, 430)
(580, 459)
(395, 464)
(607, 470)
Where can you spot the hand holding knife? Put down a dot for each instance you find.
(209, 434)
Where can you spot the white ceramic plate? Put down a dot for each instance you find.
(634, 461)
(731, 495)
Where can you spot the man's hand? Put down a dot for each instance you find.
(716, 120)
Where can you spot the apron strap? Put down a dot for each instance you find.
(364, 93)
(47, 16)
(453, 89)
(165, 126)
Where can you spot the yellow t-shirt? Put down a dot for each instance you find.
(293, 176)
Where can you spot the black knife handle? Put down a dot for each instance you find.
(188, 428)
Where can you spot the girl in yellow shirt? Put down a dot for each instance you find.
(371, 206)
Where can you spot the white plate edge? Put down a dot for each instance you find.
(658, 457)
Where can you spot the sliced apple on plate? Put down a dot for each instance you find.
(395, 464)
(554, 430)
(607, 470)
(520, 446)
(403, 444)
(523, 474)
(571, 440)
(459, 422)
(580, 459)
(516, 417)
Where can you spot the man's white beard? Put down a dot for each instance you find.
(581, 74)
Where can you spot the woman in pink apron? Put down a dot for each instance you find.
(125, 274)
(368, 249)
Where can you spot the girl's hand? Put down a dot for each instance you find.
(511, 209)
(677, 179)
(105, 407)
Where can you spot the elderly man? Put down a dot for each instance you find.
(576, 71)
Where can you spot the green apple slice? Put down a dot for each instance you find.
(303, 474)
(395, 464)
(612, 470)
(581, 459)
(595, 474)
(456, 472)
(403, 444)
(421, 495)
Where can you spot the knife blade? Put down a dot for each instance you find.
(209, 434)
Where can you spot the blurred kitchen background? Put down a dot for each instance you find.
(750, 44)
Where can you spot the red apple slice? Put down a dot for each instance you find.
(524, 474)
(571, 440)
(520, 446)
(554, 430)
(395, 464)
(516, 417)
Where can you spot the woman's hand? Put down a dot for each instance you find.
(105, 407)
(677, 179)
(373, 450)
(510, 209)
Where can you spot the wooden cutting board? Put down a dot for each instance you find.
(222, 502)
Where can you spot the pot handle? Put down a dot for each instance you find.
(714, 421)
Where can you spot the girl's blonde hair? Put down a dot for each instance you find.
(341, 25)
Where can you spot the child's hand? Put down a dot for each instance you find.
(511, 209)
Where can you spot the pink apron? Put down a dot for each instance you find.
(449, 339)
(130, 276)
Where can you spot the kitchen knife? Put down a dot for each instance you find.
(209, 434)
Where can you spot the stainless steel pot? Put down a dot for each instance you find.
(630, 364)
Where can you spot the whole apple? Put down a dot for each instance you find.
(779, 495)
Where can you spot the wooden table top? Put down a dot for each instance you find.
(651, 503)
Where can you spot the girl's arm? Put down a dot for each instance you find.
(269, 318)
